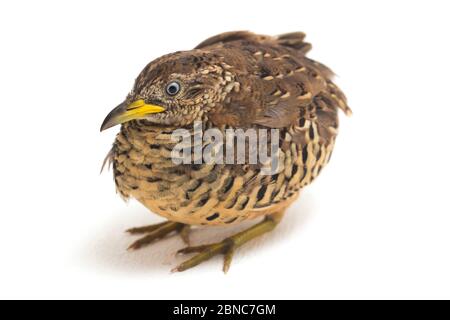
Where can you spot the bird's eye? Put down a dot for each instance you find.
(173, 88)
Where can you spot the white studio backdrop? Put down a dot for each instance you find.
(374, 225)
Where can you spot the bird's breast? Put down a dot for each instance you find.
(208, 194)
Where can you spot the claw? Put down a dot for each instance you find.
(144, 241)
(205, 253)
(184, 234)
(146, 229)
(228, 258)
(189, 250)
(226, 247)
(157, 232)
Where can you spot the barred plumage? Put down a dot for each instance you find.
(234, 80)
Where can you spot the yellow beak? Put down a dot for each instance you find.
(124, 113)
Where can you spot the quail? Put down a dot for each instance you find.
(235, 80)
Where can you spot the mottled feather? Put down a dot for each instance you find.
(235, 80)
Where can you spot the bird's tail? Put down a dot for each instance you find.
(294, 40)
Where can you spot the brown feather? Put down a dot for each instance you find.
(233, 80)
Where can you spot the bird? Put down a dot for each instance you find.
(231, 81)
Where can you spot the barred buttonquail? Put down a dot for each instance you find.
(235, 80)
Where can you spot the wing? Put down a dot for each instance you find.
(279, 86)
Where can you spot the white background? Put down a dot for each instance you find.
(376, 224)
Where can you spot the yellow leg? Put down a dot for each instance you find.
(158, 232)
(228, 246)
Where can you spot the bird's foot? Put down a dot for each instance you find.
(157, 232)
(228, 246)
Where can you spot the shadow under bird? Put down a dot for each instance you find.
(235, 80)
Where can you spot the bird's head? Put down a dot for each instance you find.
(175, 90)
